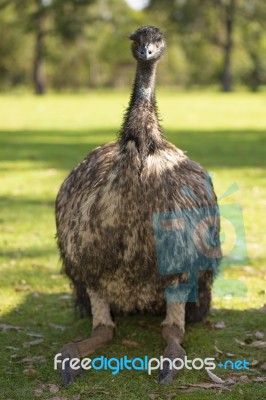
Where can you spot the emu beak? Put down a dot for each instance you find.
(146, 51)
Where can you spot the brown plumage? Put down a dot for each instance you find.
(105, 210)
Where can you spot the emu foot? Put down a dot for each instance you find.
(168, 373)
(68, 374)
(76, 350)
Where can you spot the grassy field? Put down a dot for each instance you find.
(41, 140)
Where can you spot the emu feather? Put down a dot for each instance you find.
(104, 213)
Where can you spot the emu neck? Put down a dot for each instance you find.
(141, 120)
(144, 84)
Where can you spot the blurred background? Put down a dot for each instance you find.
(76, 45)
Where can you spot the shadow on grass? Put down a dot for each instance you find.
(28, 252)
(12, 201)
(64, 149)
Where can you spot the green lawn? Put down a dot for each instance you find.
(41, 140)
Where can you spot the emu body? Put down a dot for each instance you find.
(104, 215)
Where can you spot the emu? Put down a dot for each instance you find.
(105, 223)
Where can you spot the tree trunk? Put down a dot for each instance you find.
(93, 74)
(228, 46)
(255, 80)
(38, 66)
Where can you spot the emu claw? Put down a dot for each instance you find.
(68, 374)
(173, 350)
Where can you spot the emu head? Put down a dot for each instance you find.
(148, 43)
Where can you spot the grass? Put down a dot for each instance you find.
(41, 140)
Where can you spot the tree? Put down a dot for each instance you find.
(11, 45)
(227, 11)
(253, 39)
(43, 18)
(38, 63)
(215, 23)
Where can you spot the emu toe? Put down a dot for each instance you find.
(173, 350)
(68, 373)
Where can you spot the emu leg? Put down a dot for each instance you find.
(102, 333)
(173, 333)
(197, 311)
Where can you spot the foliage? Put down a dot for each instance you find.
(82, 43)
(211, 30)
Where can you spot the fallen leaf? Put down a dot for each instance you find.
(260, 379)
(76, 397)
(209, 323)
(219, 325)
(23, 287)
(244, 378)
(235, 375)
(30, 372)
(240, 342)
(65, 297)
(230, 354)
(38, 392)
(53, 388)
(40, 359)
(218, 350)
(130, 343)
(32, 343)
(55, 326)
(58, 398)
(254, 362)
(11, 348)
(169, 396)
(258, 343)
(230, 381)
(259, 335)
(33, 334)
(209, 386)
(6, 327)
(214, 377)
(153, 396)
(263, 366)
(188, 389)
